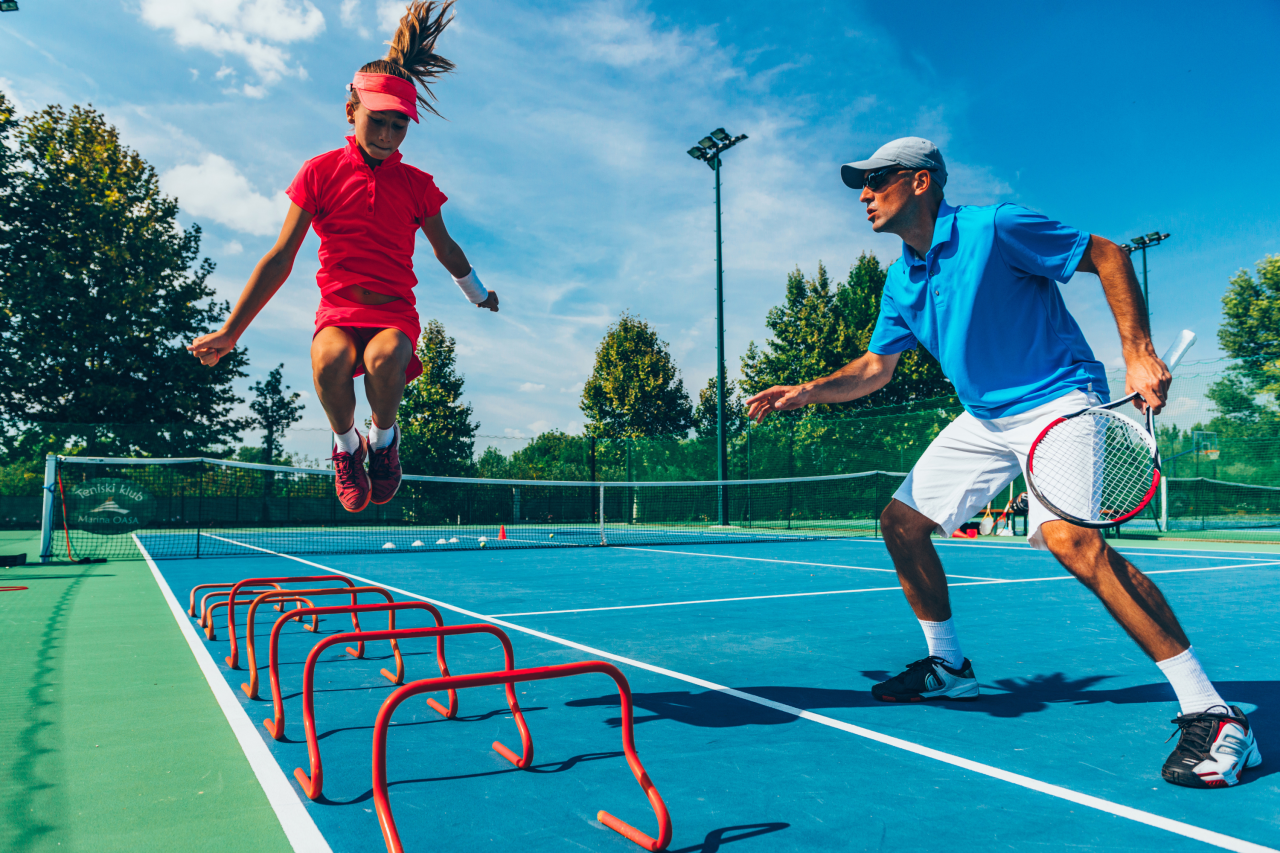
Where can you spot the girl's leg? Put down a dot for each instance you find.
(386, 357)
(333, 360)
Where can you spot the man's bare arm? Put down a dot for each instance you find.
(858, 378)
(1144, 371)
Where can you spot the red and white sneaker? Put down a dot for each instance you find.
(384, 470)
(350, 478)
(1214, 748)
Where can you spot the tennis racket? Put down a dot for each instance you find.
(1096, 467)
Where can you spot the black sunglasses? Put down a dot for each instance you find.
(877, 180)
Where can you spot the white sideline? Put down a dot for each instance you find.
(1208, 836)
(303, 834)
(1063, 577)
(786, 562)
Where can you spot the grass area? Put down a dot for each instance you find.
(110, 739)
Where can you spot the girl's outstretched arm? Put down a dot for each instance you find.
(265, 280)
(453, 259)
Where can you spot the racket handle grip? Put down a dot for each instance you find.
(1175, 353)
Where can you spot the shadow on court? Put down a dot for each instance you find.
(1006, 698)
(717, 837)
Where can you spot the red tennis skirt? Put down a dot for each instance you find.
(362, 322)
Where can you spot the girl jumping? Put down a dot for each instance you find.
(366, 206)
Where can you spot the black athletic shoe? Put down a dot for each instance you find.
(1214, 747)
(929, 678)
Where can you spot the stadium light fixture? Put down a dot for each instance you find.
(1146, 241)
(8, 5)
(711, 148)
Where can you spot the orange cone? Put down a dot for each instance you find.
(502, 531)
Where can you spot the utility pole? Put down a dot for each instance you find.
(709, 149)
(1155, 238)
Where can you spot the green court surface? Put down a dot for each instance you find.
(109, 736)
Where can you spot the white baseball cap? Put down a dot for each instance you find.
(911, 152)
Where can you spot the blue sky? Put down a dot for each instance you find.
(563, 155)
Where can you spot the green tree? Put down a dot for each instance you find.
(275, 413)
(819, 329)
(99, 293)
(437, 435)
(1250, 333)
(635, 388)
(735, 411)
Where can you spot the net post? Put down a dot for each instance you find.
(46, 515)
(199, 506)
(603, 539)
(1164, 504)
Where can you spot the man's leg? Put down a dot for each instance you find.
(1217, 742)
(944, 674)
(386, 357)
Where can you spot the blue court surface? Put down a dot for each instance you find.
(751, 667)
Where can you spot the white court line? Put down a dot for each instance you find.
(1208, 836)
(1206, 554)
(297, 824)
(787, 562)
(1063, 577)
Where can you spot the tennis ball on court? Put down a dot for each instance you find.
(483, 543)
(552, 536)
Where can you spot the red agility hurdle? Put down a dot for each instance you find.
(276, 725)
(383, 803)
(191, 605)
(207, 609)
(233, 660)
(251, 689)
(313, 784)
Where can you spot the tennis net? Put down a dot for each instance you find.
(201, 507)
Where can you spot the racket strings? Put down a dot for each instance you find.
(1098, 466)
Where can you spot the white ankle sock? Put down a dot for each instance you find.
(380, 438)
(1195, 691)
(943, 642)
(347, 442)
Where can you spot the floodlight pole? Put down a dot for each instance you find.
(710, 153)
(1155, 238)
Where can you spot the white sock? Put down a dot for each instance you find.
(380, 438)
(1196, 692)
(943, 642)
(347, 442)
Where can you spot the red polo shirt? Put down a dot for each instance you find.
(366, 219)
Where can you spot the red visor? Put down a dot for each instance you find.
(379, 92)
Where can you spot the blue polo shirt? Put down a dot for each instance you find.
(984, 302)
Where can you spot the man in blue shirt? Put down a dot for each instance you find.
(976, 287)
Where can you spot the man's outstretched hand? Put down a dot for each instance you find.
(780, 398)
(1148, 375)
(210, 348)
(490, 302)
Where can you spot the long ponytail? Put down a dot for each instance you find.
(413, 54)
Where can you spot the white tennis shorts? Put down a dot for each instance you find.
(972, 461)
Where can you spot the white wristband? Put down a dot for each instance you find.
(471, 287)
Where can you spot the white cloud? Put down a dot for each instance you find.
(575, 388)
(253, 30)
(352, 16)
(232, 247)
(532, 387)
(216, 189)
(389, 14)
